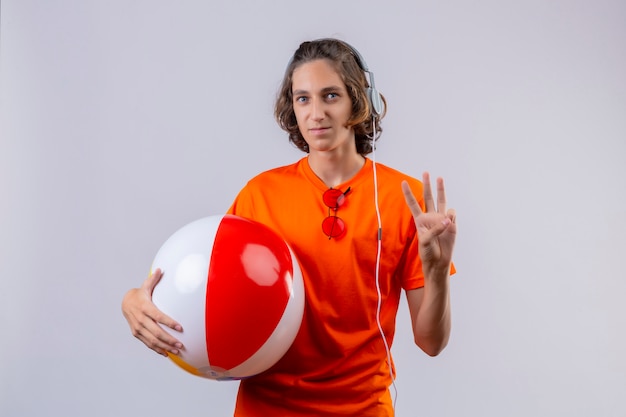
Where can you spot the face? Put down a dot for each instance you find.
(322, 107)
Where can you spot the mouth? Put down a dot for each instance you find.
(318, 130)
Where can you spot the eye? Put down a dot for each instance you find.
(301, 99)
(332, 96)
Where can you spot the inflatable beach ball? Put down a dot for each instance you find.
(236, 288)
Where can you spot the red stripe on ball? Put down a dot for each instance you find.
(249, 285)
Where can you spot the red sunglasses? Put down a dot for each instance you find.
(332, 225)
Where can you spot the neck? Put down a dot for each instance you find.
(333, 168)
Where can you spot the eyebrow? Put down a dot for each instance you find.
(323, 91)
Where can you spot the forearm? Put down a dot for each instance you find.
(432, 320)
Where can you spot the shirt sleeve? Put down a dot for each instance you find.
(411, 273)
(243, 205)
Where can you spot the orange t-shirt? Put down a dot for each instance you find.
(337, 364)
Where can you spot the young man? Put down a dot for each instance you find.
(360, 237)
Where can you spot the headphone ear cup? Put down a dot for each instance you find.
(376, 101)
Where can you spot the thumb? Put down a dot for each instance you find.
(151, 282)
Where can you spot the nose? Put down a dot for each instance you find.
(317, 110)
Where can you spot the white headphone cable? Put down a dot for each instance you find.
(378, 255)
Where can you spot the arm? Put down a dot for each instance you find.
(430, 316)
(430, 306)
(144, 317)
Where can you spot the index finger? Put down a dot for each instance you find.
(410, 199)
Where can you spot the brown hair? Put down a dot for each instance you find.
(345, 62)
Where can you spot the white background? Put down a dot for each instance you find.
(121, 121)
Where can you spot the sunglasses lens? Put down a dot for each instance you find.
(333, 226)
(333, 197)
